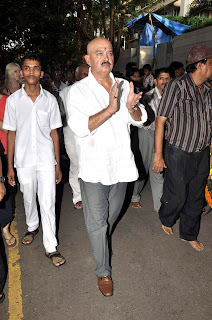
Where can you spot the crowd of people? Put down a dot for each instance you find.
(116, 130)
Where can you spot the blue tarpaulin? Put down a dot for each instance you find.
(164, 29)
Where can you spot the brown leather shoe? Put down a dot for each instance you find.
(105, 286)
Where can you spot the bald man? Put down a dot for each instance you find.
(80, 73)
(100, 111)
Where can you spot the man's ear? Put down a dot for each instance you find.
(87, 59)
(21, 73)
(41, 75)
(155, 82)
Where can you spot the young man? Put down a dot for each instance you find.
(100, 110)
(186, 109)
(32, 117)
(147, 143)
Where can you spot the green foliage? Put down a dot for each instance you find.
(193, 22)
(58, 30)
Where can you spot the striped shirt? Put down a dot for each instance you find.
(188, 113)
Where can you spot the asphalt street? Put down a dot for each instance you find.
(156, 276)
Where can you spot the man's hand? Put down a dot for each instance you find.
(58, 174)
(158, 164)
(11, 177)
(2, 190)
(133, 98)
(113, 103)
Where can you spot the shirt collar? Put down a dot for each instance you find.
(92, 80)
(158, 93)
(23, 92)
(191, 81)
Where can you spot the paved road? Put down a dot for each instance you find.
(156, 276)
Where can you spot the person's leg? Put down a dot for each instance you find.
(175, 188)
(136, 196)
(95, 198)
(28, 186)
(73, 171)
(116, 199)
(2, 276)
(156, 182)
(191, 213)
(46, 197)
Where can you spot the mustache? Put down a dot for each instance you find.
(105, 62)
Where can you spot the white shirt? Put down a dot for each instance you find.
(33, 122)
(149, 80)
(61, 87)
(104, 154)
(68, 133)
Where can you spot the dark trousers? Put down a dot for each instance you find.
(184, 189)
(2, 273)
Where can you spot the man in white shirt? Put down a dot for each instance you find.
(147, 142)
(80, 73)
(100, 110)
(32, 117)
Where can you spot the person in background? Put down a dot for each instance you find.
(80, 73)
(147, 144)
(133, 75)
(12, 80)
(148, 79)
(177, 69)
(2, 267)
(69, 77)
(6, 212)
(57, 84)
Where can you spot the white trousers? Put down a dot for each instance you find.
(40, 181)
(73, 170)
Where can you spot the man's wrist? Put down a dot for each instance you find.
(109, 112)
(133, 110)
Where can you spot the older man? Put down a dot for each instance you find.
(100, 110)
(80, 73)
(186, 109)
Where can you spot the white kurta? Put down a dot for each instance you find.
(104, 155)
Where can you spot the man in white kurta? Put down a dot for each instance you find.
(32, 117)
(80, 73)
(100, 110)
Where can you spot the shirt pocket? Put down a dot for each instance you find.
(188, 107)
(43, 118)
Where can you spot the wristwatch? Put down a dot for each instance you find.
(2, 179)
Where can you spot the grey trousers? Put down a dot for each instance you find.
(101, 206)
(147, 149)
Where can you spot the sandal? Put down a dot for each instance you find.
(29, 237)
(78, 205)
(10, 242)
(56, 258)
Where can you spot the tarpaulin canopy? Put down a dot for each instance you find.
(156, 29)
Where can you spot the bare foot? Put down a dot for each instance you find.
(136, 205)
(78, 205)
(167, 230)
(9, 238)
(199, 246)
